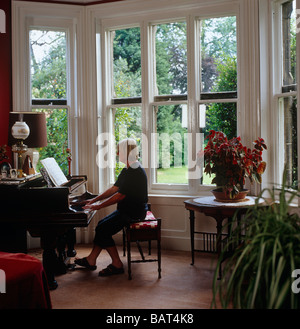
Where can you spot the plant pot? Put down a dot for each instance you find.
(221, 196)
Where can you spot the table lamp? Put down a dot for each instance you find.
(20, 131)
(37, 138)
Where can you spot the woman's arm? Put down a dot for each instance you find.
(109, 192)
(115, 198)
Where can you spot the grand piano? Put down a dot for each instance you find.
(49, 212)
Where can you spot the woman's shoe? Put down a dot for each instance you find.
(84, 263)
(111, 270)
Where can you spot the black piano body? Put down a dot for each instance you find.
(51, 213)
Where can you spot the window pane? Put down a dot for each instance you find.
(218, 117)
(128, 124)
(218, 54)
(127, 63)
(171, 58)
(288, 111)
(57, 137)
(289, 43)
(48, 64)
(171, 144)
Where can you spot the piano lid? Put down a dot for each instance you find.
(36, 196)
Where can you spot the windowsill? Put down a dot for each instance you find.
(179, 196)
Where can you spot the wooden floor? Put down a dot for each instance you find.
(182, 286)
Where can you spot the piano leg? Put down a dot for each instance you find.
(61, 266)
(70, 241)
(50, 259)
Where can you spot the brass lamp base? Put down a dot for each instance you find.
(19, 148)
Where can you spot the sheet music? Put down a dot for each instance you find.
(55, 173)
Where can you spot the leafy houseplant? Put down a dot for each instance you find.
(258, 274)
(232, 163)
(4, 165)
(3, 155)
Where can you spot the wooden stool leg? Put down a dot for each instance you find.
(124, 242)
(129, 259)
(140, 250)
(159, 258)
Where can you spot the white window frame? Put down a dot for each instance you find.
(52, 26)
(298, 90)
(277, 94)
(25, 18)
(144, 20)
(90, 97)
(270, 88)
(154, 186)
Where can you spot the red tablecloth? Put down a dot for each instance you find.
(23, 282)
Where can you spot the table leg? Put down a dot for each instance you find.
(192, 232)
(219, 220)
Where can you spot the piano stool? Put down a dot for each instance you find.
(148, 229)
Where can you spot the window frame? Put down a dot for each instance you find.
(148, 99)
(280, 90)
(90, 98)
(53, 25)
(59, 104)
(22, 97)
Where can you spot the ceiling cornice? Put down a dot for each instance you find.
(74, 2)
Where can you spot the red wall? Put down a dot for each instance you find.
(5, 73)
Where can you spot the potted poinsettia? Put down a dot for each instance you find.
(231, 163)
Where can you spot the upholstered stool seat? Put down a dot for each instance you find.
(147, 229)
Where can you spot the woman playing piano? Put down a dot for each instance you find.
(131, 196)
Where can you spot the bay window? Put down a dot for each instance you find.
(151, 97)
(164, 73)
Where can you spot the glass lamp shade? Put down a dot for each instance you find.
(36, 122)
(20, 130)
(36, 137)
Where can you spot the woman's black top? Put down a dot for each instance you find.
(132, 182)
